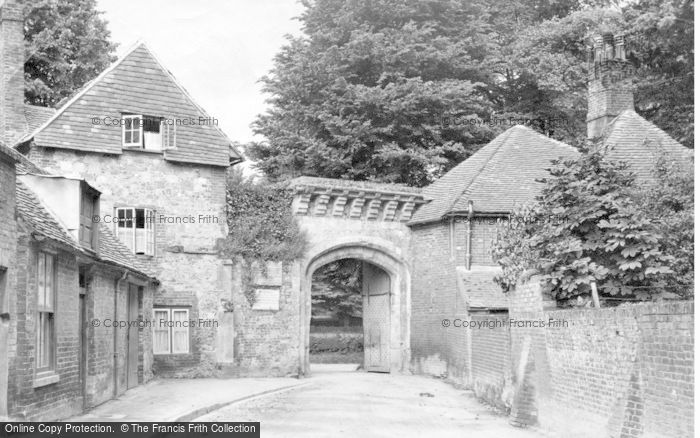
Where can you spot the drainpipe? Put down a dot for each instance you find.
(117, 283)
(469, 235)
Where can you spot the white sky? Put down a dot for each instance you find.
(217, 49)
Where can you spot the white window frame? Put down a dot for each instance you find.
(132, 117)
(148, 227)
(171, 330)
(46, 309)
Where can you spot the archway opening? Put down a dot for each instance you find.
(351, 315)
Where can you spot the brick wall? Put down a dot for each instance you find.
(186, 261)
(490, 359)
(436, 350)
(8, 242)
(621, 372)
(12, 121)
(103, 286)
(63, 398)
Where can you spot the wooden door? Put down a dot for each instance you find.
(376, 301)
(132, 367)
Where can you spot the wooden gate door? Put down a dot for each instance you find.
(376, 301)
(132, 373)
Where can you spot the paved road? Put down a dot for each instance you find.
(359, 404)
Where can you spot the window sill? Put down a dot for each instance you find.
(45, 378)
(140, 149)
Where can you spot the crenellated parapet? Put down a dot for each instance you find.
(354, 199)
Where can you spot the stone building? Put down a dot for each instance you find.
(160, 163)
(123, 184)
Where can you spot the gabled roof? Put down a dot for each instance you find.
(640, 143)
(136, 83)
(41, 221)
(497, 178)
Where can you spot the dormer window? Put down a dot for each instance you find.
(149, 133)
(89, 209)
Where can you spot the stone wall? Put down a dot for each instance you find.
(189, 203)
(620, 372)
(266, 341)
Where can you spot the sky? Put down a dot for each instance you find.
(216, 49)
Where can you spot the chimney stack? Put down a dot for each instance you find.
(608, 92)
(13, 124)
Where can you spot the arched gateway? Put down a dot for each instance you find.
(367, 222)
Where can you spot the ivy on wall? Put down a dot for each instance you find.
(261, 227)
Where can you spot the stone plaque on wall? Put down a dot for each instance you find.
(267, 298)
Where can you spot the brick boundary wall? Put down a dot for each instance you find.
(618, 372)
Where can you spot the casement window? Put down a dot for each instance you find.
(135, 228)
(171, 332)
(132, 131)
(148, 132)
(89, 208)
(46, 303)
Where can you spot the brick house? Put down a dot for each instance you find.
(160, 163)
(458, 224)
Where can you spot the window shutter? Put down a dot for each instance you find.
(168, 128)
(150, 234)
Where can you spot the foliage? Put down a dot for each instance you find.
(660, 45)
(345, 343)
(67, 45)
(261, 226)
(586, 227)
(669, 201)
(337, 288)
(380, 90)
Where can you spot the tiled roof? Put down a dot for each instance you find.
(136, 83)
(37, 115)
(352, 185)
(640, 143)
(112, 250)
(34, 214)
(479, 289)
(39, 219)
(9, 152)
(497, 178)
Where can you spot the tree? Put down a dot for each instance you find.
(377, 90)
(659, 34)
(669, 201)
(337, 288)
(585, 227)
(67, 45)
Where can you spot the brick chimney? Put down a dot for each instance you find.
(13, 123)
(608, 92)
